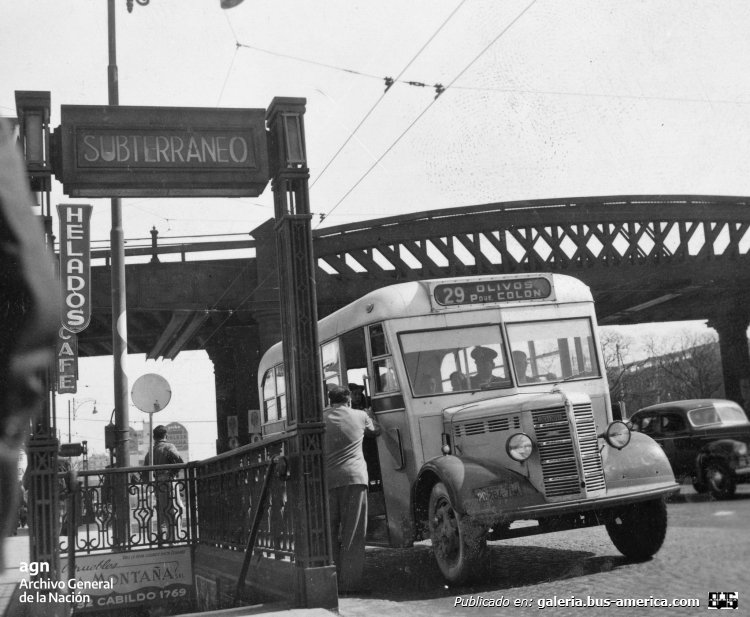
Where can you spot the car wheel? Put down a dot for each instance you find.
(459, 544)
(638, 530)
(699, 484)
(719, 479)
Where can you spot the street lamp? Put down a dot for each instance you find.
(33, 109)
(72, 407)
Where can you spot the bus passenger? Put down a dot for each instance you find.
(484, 358)
(521, 362)
(346, 471)
(459, 381)
(358, 396)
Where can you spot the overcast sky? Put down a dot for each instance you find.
(542, 99)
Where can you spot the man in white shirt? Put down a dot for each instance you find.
(346, 471)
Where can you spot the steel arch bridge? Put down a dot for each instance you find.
(647, 258)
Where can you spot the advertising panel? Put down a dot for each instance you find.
(75, 266)
(66, 362)
(134, 578)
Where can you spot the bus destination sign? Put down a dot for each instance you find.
(483, 292)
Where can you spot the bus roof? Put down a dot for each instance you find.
(419, 298)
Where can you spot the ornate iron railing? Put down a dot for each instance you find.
(160, 509)
(211, 502)
(228, 490)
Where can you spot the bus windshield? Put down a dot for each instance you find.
(455, 360)
(477, 358)
(553, 350)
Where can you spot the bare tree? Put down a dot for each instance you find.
(618, 362)
(687, 367)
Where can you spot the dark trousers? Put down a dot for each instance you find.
(348, 506)
(170, 511)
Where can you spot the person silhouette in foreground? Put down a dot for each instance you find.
(29, 314)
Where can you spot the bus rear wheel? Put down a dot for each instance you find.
(638, 530)
(459, 543)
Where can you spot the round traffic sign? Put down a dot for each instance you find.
(151, 393)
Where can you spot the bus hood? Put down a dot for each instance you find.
(511, 404)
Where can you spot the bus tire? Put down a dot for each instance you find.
(638, 530)
(459, 544)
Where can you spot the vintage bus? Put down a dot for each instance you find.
(495, 417)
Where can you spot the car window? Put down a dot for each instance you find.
(704, 416)
(672, 423)
(731, 413)
(646, 424)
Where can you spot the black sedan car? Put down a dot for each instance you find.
(704, 439)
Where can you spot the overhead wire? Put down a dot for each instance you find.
(466, 68)
(429, 106)
(263, 282)
(382, 96)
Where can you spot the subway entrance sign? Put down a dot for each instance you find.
(105, 151)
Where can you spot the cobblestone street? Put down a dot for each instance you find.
(707, 548)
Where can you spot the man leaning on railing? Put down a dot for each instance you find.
(169, 506)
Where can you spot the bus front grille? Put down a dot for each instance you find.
(591, 461)
(559, 454)
(556, 452)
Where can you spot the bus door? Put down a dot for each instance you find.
(353, 350)
(394, 442)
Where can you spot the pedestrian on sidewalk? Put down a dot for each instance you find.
(170, 510)
(346, 472)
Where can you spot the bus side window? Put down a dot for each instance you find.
(274, 394)
(269, 397)
(378, 342)
(385, 376)
(382, 363)
(331, 369)
(354, 362)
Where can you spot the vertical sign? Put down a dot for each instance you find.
(75, 266)
(66, 357)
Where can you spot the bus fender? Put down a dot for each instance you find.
(475, 487)
(639, 463)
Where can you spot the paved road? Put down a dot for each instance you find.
(707, 548)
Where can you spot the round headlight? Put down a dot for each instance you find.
(618, 435)
(519, 447)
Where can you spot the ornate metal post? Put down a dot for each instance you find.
(299, 316)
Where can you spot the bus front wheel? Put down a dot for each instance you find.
(459, 544)
(638, 530)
